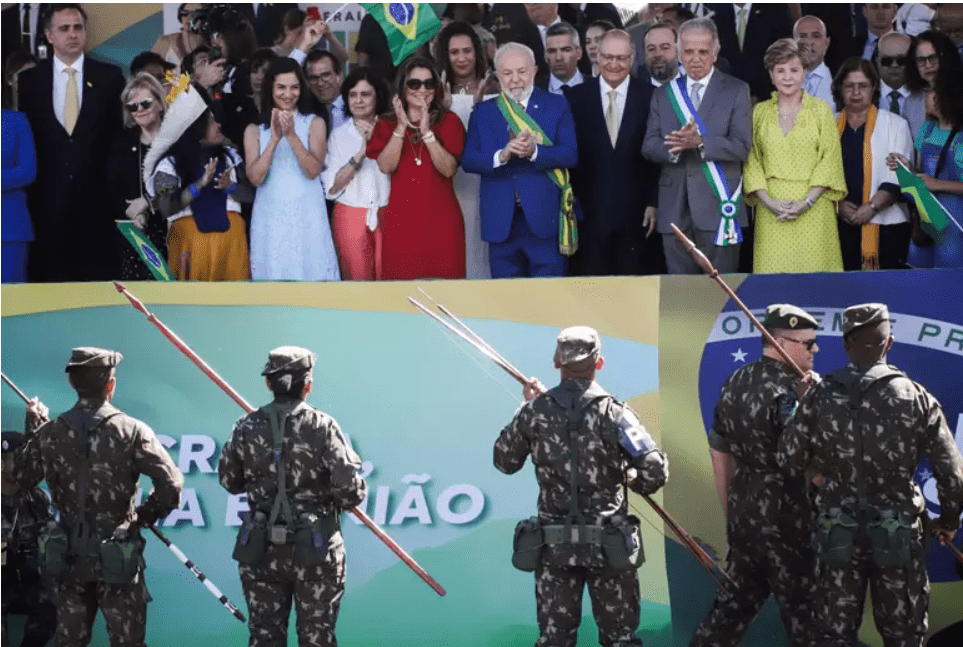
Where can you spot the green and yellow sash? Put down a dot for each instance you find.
(518, 120)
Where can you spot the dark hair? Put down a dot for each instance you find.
(240, 40)
(682, 14)
(382, 103)
(945, 49)
(318, 54)
(855, 64)
(283, 65)
(435, 110)
(57, 8)
(459, 28)
(292, 19)
(187, 63)
(262, 57)
(289, 385)
(17, 60)
(142, 60)
(464, 12)
(948, 93)
(606, 25)
(661, 25)
(90, 382)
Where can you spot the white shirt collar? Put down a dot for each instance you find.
(60, 66)
(884, 91)
(622, 89)
(555, 84)
(821, 71)
(704, 81)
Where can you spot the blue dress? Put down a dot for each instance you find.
(290, 233)
(19, 171)
(949, 251)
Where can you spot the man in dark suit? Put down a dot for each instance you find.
(614, 184)
(745, 36)
(73, 105)
(520, 204)
(686, 199)
(22, 26)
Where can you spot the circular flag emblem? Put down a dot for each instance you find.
(729, 209)
(402, 12)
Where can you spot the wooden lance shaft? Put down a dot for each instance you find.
(217, 379)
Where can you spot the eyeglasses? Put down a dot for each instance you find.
(932, 59)
(611, 58)
(808, 344)
(892, 61)
(417, 84)
(324, 76)
(862, 87)
(134, 106)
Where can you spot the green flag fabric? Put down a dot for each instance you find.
(147, 252)
(933, 215)
(408, 25)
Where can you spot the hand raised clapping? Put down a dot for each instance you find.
(400, 114)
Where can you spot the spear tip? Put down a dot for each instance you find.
(119, 286)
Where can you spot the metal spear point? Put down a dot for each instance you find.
(211, 373)
(167, 542)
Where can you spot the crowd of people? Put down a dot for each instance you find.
(530, 139)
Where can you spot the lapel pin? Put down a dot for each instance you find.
(89, 84)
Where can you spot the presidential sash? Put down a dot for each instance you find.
(729, 232)
(518, 120)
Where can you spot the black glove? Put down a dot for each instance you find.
(146, 515)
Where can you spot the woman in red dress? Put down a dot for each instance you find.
(422, 231)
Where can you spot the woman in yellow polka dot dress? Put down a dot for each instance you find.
(794, 173)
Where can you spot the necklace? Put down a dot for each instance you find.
(416, 139)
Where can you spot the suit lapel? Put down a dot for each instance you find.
(632, 107)
(598, 113)
(88, 94)
(711, 95)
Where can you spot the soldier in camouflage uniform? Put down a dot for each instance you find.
(299, 474)
(585, 446)
(863, 431)
(92, 458)
(24, 513)
(768, 515)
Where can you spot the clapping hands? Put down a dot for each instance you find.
(282, 123)
(685, 138)
(522, 145)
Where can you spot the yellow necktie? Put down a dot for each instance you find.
(71, 103)
(612, 117)
(742, 27)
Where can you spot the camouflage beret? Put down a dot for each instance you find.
(289, 359)
(575, 344)
(785, 316)
(11, 440)
(864, 314)
(90, 357)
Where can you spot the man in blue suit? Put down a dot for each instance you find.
(519, 201)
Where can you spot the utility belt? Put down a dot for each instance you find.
(310, 535)
(892, 536)
(121, 555)
(620, 540)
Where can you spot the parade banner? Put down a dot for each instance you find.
(421, 410)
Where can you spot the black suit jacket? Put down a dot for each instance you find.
(582, 19)
(613, 185)
(767, 24)
(10, 25)
(70, 213)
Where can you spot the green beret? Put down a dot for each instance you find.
(289, 359)
(785, 316)
(576, 344)
(90, 357)
(864, 314)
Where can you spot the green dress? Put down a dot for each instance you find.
(787, 167)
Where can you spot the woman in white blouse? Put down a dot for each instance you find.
(353, 181)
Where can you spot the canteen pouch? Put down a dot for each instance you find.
(622, 544)
(527, 544)
(311, 539)
(891, 536)
(834, 538)
(54, 546)
(121, 557)
(252, 539)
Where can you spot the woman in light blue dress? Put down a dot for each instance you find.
(290, 234)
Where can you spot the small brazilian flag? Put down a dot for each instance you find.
(933, 215)
(408, 26)
(147, 252)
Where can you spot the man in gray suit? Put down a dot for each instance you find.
(686, 198)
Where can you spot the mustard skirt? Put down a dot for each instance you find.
(215, 256)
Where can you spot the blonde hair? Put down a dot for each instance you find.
(782, 51)
(140, 81)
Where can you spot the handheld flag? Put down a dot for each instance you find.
(933, 216)
(147, 252)
(408, 25)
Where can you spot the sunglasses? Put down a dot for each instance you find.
(892, 61)
(808, 344)
(134, 106)
(417, 84)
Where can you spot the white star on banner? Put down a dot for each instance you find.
(739, 356)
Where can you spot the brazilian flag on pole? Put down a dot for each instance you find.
(147, 252)
(933, 216)
(408, 25)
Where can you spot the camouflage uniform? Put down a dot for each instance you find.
(540, 429)
(24, 513)
(769, 519)
(117, 449)
(322, 478)
(867, 456)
